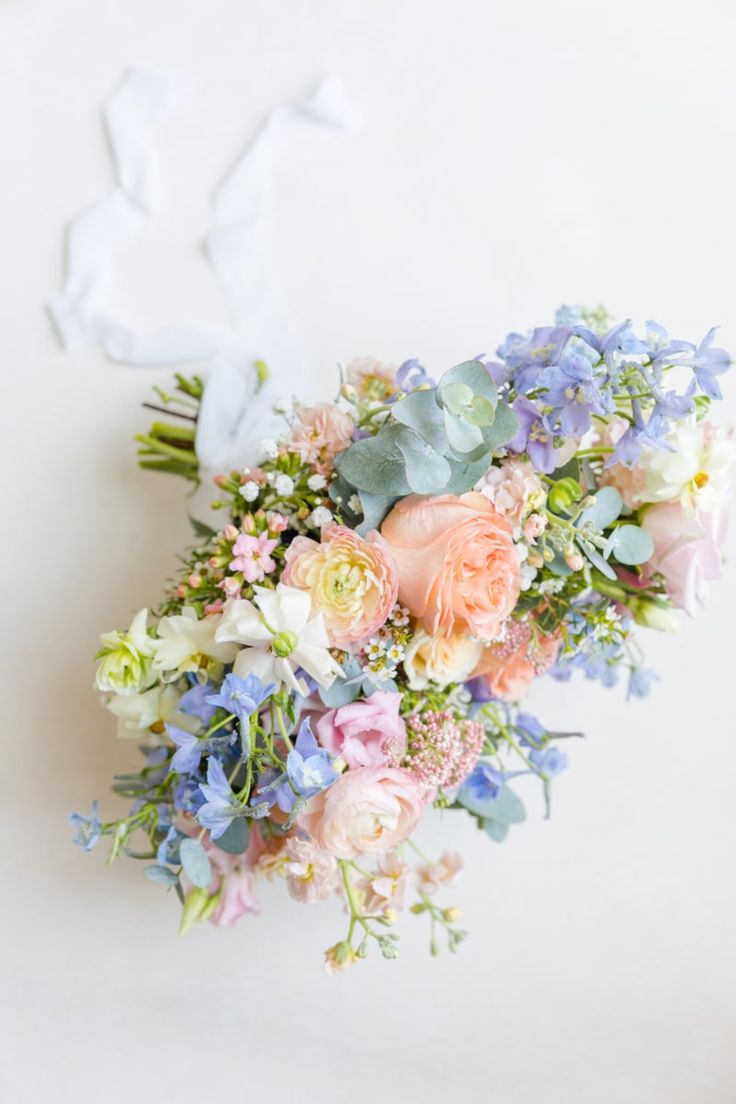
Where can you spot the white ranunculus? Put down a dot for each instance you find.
(279, 634)
(157, 706)
(183, 639)
(125, 658)
(694, 471)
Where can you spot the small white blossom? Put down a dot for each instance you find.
(250, 490)
(269, 448)
(395, 653)
(551, 586)
(354, 504)
(528, 575)
(316, 482)
(284, 485)
(321, 516)
(283, 406)
(375, 648)
(399, 616)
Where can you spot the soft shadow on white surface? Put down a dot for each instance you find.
(514, 155)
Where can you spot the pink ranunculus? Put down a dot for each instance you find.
(366, 812)
(512, 664)
(319, 433)
(687, 551)
(367, 733)
(458, 570)
(352, 581)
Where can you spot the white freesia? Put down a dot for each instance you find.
(280, 634)
(125, 658)
(695, 472)
(183, 640)
(153, 708)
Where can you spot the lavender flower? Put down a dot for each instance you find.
(88, 828)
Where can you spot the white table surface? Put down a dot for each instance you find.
(514, 155)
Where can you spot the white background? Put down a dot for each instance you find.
(514, 155)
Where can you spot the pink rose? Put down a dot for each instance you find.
(319, 433)
(687, 551)
(366, 812)
(458, 570)
(368, 733)
(353, 582)
(511, 665)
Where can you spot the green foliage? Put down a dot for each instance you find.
(195, 862)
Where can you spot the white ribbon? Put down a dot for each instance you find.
(235, 415)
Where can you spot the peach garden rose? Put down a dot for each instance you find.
(458, 570)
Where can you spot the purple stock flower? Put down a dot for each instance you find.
(535, 436)
(411, 375)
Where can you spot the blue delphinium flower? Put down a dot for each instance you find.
(549, 760)
(571, 389)
(411, 375)
(88, 828)
(707, 363)
(194, 702)
(483, 783)
(640, 682)
(531, 732)
(309, 766)
(168, 849)
(535, 436)
(241, 696)
(220, 806)
(187, 757)
(188, 797)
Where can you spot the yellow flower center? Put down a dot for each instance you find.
(700, 479)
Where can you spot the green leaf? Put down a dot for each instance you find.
(596, 559)
(235, 839)
(630, 544)
(376, 464)
(606, 508)
(426, 471)
(200, 529)
(464, 474)
(195, 862)
(375, 508)
(161, 874)
(496, 829)
(420, 411)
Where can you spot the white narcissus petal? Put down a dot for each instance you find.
(242, 624)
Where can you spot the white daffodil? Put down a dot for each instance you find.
(125, 658)
(280, 635)
(183, 640)
(156, 707)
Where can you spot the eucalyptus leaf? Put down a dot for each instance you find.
(504, 429)
(376, 464)
(463, 436)
(235, 839)
(606, 508)
(464, 474)
(195, 862)
(161, 874)
(596, 559)
(420, 411)
(375, 508)
(426, 471)
(630, 544)
(496, 829)
(481, 412)
(472, 374)
(456, 397)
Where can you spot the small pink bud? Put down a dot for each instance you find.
(230, 532)
(277, 522)
(181, 591)
(534, 526)
(574, 559)
(218, 480)
(231, 587)
(214, 607)
(213, 562)
(194, 580)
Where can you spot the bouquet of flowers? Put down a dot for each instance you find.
(347, 645)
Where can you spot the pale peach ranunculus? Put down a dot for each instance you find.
(353, 582)
(319, 433)
(687, 551)
(366, 812)
(371, 378)
(511, 665)
(458, 570)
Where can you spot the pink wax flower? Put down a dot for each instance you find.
(368, 733)
(458, 569)
(511, 664)
(687, 551)
(253, 557)
(366, 812)
(231, 587)
(319, 433)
